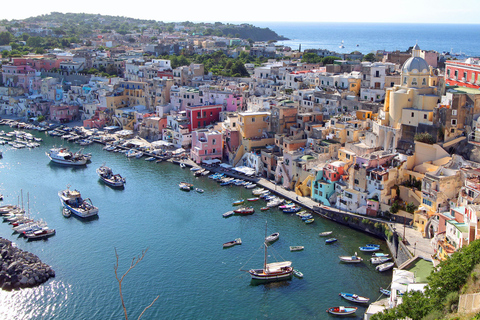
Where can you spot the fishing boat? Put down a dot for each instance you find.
(354, 297)
(250, 186)
(245, 211)
(297, 273)
(264, 208)
(199, 190)
(351, 259)
(238, 202)
(369, 249)
(184, 186)
(379, 260)
(292, 210)
(258, 191)
(113, 180)
(275, 271)
(63, 156)
(73, 201)
(384, 266)
(232, 243)
(195, 168)
(228, 214)
(331, 240)
(308, 221)
(296, 248)
(341, 311)
(273, 237)
(253, 199)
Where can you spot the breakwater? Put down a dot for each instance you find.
(21, 269)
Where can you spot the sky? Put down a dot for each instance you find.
(400, 11)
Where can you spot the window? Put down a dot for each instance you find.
(348, 195)
(214, 150)
(414, 82)
(199, 124)
(199, 114)
(454, 122)
(211, 113)
(404, 80)
(452, 130)
(454, 112)
(464, 76)
(424, 116)
(356, 181)
(424, 81)
(448, 73)
(253, 119)
(456, 74)
(413, 114)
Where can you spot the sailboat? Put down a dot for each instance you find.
(274, 271)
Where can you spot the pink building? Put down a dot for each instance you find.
(18, 76)
(64, 114)
(206, 145)
(234, 102)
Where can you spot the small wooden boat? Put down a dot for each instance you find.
(331, 240)
(238, 202)
(253, 199)
(228, 214)
(384, 266)
(379, 260)
(380, 254)
(232, 243)
(66, 212)
(245, 211)
(351, 259)
(296, 248)
(199, 190)
(308, 221)
(272, 237)
(385, 292)
(185, 186)
(264, 208)
(373, 245)
(341, 311)
(369, 249)
(353, 297)
(297, 273)
(325, 233)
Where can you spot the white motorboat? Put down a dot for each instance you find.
(379, 260)
(354, 297)
(273, 237)
(64, 156)
(73, 201)
(351, 259)
(385, 266)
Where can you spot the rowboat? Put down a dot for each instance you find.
(325, 233)
(264, 208)
(384, 266)
(253, 199)
(228, 214)
(238, 202)
(340, 311)
(380, 254)
(385, 292)
(296, 248)
(297, 273)
(354, 297)
(272, 237)
(308, 221)
(331, 240)
(199, 190)
(232, 243)
(369, 249)
(379, 260)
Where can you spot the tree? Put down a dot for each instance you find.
(134, 262)
(5, 38)
(329, 60)
(34, 42)
(369, 57)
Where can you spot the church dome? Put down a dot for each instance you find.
(415, 63)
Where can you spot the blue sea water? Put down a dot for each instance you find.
(370, 37)
(184, 231)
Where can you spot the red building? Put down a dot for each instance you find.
(463, 73)
(202, 116)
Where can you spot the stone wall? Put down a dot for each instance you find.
(21, 269)
(376, 227)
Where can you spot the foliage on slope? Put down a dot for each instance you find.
(442, 293)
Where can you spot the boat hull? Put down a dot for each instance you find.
(259, 275)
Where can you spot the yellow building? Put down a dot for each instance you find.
(255, 130)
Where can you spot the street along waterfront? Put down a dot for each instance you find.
(184, 232)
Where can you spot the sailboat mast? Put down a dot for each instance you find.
(265, 245)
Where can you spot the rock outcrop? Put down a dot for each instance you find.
(21, 269)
